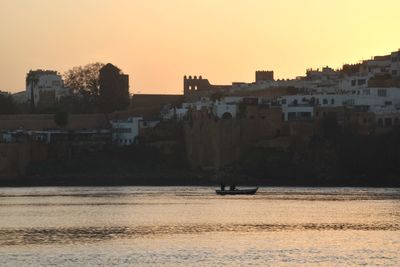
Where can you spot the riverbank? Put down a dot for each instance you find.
(189, 178)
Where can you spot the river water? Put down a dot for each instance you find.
(191, 226)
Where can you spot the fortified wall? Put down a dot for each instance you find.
(147, 105)
(196, 87)
(75, 121)
(213, 143)
(14, 158)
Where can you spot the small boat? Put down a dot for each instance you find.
(247, 191)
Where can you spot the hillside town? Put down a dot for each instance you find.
(211, 127)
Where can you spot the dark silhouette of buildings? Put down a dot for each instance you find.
(150, 105)
(196, 87)
(114, 89)
(262, 75)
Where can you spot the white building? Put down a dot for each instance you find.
(145, 124)
(377, 100)
(45, 85)
(354, 82)
(170, 112)
(225, 110)
(125, 132)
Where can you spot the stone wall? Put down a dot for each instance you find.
(148, 105)
(75, 121)
(213, 143)
(14, 159)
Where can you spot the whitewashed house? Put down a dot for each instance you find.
(124, 132)
(45, 85)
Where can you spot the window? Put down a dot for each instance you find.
(388, 103)
(353, 82)
(366, 92)
(325, 101)
(382, 92)
(283, 101)
(305, 115)
(394, 72)
(122, 130)
(332, 101)
(362, 82)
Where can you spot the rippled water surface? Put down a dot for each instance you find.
(191, 226)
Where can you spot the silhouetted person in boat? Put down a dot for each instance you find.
(222, 186)
(232, 187)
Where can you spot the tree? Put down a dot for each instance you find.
(61, 118)
(84, 83)
(84, 79)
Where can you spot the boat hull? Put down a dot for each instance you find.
(250, 191)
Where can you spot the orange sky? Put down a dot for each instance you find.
(157, 42)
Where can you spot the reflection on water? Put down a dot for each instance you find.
(96, 234)
(193, 226)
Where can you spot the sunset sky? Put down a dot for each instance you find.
(158, 42)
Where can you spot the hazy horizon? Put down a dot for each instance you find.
(158, 43)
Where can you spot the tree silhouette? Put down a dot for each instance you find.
(84, 84)
(84, 80)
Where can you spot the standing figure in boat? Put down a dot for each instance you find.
(222, 186)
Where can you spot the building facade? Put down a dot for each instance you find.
(125, 132)
(44, 87)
